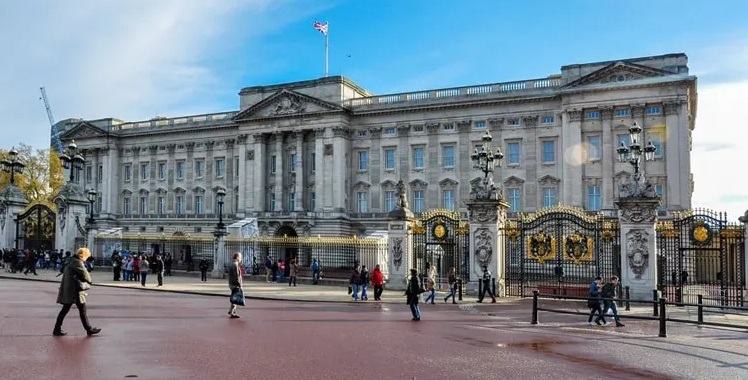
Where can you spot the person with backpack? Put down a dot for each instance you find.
(315, 272)
(609, 296)
(594, 302)
(412, 293)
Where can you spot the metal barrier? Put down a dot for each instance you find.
(659, 310)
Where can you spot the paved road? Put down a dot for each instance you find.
(158, 335)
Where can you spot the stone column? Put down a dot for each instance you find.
(280, 173)
(341, 135)
(487, 213)
(241, 175)
(608, 157)
(220, 258)
(299, 180)
(12, 202)
(321, 171)
(71, 216)
(400, 248)
(638, 218)
(571, 156)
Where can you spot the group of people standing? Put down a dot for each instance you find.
(136, 267)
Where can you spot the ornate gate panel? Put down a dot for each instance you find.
(35, 228)
(700, 252)
(442, 240)
(559, 250)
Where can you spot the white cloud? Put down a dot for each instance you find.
(130, 59)
(720, 143)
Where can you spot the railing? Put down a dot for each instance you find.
(507, 87)
(178, 121)
(186, 251)
(659, 312)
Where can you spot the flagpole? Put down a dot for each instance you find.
(327, 48)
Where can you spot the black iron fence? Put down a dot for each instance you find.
(186, 251)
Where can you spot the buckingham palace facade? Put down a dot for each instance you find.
(323, 157)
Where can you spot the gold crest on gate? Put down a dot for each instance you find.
(578, 248)
(541, 247)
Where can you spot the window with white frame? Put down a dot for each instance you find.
(219, 167)
(621, 112)
(654, 110)
(549, 196)
(271, 201)
(89, 173)
(593, 148)
(363, 160)
(236, 201)
(179, 204)
(292, 162)
(479, 125)
(313, 161)
(128, 173)
(390, 131)
(418, 201)
(180, 169)
(592, 115)
(272, 164)
(660, 191)
(656, 139)
(448, 156)
(126, 208)
(389, 159)
(389, 201)
(549, 151)
(594, 198)
(448, 199)
(513, 149)
(199, 204)
(515, 199)
(362, 201)
(623, 138)
(312, 201)
(236, 166)
(418, 157)
(99, 203)
(145, 171)
(143, 205)
(548, 120)
(100, 173)
(291, 201)
(513, 121)
(161, 170)
(161, 205)
(199, 166)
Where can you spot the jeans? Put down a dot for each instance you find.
(414, 309)
(160, 278)
(81, 310)
(452, 292)
(596, 308)
(364, 295)
(378, 289)
(611, 305)
(143, 276)
(354, 294)
(432, 295)
(315, 276)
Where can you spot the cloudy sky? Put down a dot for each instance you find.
(136, 59)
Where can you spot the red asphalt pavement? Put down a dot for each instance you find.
(154, 335)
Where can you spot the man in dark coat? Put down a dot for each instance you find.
(116, 265)
(158, 267)
(74, 276)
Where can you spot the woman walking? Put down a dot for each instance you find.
(75, 281)
(431, 280)
(235, 282)
(293, 272)
(452, 285)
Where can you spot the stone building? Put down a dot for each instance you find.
(324, 156)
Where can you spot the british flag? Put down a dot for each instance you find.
(321, 27)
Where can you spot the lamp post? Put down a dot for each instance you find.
(634, 154)
(220, 227)
(486, 159)
(72, 159)
(12, 165)
(90, 221)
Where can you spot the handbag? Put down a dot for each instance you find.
(237, 297)
(82, 285)
(350, 289)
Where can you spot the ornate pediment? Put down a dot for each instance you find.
(548, 180)
(513, 181)
(618, 72)
(448, 182)
(83, 130)
(287, 103)
(198, 190)
(361, 185)
(417, 184)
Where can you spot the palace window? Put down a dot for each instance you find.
(126, 206)
(549, 196)
(389, 201)
(161, 170)
(271, 201)
(313, 161)
(160, 204)
(621, 112)
(549, 151)
(143, 205)
(199, 204)
(128, 173)
(219, 167)
(660, 191)
(363, 160)
(448, 199)
(513, 148)
(515, 199)
(592, 115)
(180, 170)
(89, 174)
(594, 198)
(448, 156)
(513, 121)
(179, 205)
(389, 159)
(654, 110)
(479, 125)
(390, 131)
(291, 201)
(312, 201)
(292, 162)
(145, 171)
(623, 138)
(236, 166)
(199, 168)
(548, 120)
(272, 164)
(418, 158)
(363, 204)
(593, 147)
(418, 201)
(656, 139)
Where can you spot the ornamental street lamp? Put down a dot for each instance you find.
(12, 165)
(484, 158)
(220, 227)
(633, 154)
(91, 196)
(72, 159)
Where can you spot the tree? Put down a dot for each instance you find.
(41, 178)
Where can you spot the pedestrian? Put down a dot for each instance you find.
(365, 277)
(293, 272)
(203, 270)
(158, 267)
(136, 268)
(355, 282)
(486, 286)
(452, 285)
(412, 293)
(431, 283)
(594, 302)
(116, 265)
(235, 282)
(143, 270)
(274, 271)
(377, 279)
(75, 281)
(609, 299)
(315, 272)
(168, 262)
(268, 268)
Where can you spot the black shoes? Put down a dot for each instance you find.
(93, 331)
(416, 319)
(234, 316)
(59, 333)
(620, 325)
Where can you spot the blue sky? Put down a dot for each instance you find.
(136, 59)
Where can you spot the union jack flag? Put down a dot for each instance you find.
(321, 27)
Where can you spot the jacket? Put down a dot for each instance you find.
(69, 293)
(235, 277)
(377, 277)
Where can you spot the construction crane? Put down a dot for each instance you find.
(56, 142)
